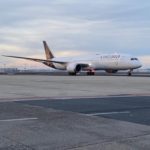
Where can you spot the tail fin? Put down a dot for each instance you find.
(48, 53)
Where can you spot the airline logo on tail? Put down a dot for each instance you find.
(49, 55)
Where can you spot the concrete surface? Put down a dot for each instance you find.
(64, 86)
(131, 109)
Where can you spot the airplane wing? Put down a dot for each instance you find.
(84, 66)
(35, 59)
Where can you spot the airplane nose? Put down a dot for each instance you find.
(139, 64)
(136, 64)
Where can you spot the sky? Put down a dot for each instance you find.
(72, 28)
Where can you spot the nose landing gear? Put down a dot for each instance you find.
(130, 72)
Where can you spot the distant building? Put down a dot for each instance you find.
(9, 70)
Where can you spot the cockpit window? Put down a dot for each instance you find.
(134, 58)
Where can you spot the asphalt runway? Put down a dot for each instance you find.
(131, 109)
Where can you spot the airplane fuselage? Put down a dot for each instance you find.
(102, 62)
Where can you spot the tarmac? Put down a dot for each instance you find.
(74, 113)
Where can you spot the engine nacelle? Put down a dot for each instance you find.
(111, 71)
(73, 68)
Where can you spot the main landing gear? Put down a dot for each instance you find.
(72, 73)
(91, 73)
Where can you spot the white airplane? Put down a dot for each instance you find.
(111, 63)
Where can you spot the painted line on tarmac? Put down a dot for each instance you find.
(108, 113)
(19, 119)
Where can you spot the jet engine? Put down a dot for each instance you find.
(73, 68)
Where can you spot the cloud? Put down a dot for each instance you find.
(70, 53)
(145, 61)
(9, 49)
(74, 25)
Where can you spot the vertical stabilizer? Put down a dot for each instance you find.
(48, 53)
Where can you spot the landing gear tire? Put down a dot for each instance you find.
(90, 73)
(72, 73)
(129, 73)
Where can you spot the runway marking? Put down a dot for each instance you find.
(19, 119)
(108, 113)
